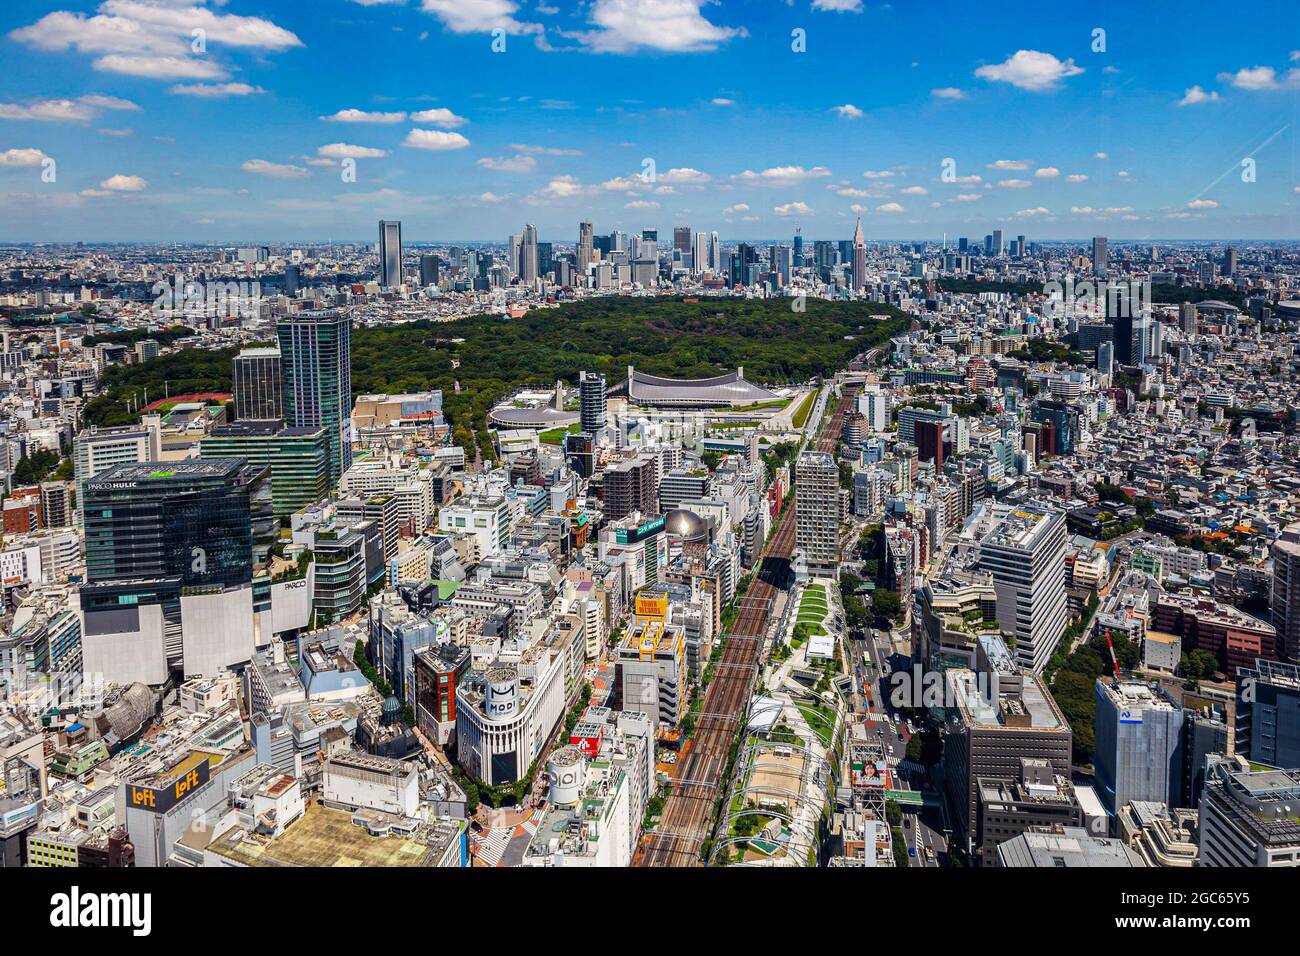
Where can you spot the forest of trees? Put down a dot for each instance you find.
(662, 336)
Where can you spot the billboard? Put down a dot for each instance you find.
(161, 799)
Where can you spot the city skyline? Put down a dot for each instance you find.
(283, 123)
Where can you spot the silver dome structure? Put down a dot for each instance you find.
(687, 525)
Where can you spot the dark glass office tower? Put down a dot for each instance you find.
(188, 521)
(258, 385)
(316, 362)
(1120, 315)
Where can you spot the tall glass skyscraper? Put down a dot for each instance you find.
(316, 357)
(390, 253)
(187, 520)
(259, 392)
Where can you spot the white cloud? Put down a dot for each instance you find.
(1009, 164)
(675, 26)
(1014, 183)
(440, 117)
(544, 150)
(81, 109)
(1031, 213)
(948, 93)
(509, 164)
(968, 197)
(433, 139)
(262, 167)
(879, 174)
(22, 157)
(1104, 211)
(348, 151)
(161, 67)
(722, 101)
(890, 207)
(490, 197)
(1101, 155)
(838, 6)
(848, 111)
(1202, 204)
(781, 175)
(1076, 178)
(479, 16)
(641, 204)
(362, 116)
(141, 26)
(793, 209)
(1196, 95)
(684, 175)
(1257, 78)
(124, 184)
(744, 207)
(215, 90)
(1046, 172)
(563, 187)
(1030, 70)
(915, 191)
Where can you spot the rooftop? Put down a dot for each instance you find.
(327, 837)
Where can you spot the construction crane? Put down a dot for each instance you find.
(1114, 661)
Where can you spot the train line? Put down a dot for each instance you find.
(688, 814)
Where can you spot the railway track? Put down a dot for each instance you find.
(688, 813)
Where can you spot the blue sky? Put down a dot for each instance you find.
(646, 113)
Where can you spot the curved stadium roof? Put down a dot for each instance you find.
(542, 417)
(730, 389)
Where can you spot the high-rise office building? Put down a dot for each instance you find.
(859, 257)
(528, 254)
(700, 254)
(999, 246)
(1099, 256)
(798, 246)
(170, 552)
(1268, 714)
(297, 459)
(316, 356)
(98, 449)
(428, 269)
(390, 253)
(1229, 262)
(591, 399)
(1285, 602)
(1106, 357)
(190, 520)
(1025, 552)
(1120, 314)
(292, 279)
(586, 252)
(715, 254)
(682, 239)
(258, 385)
(1139, 744)
(817, 510)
